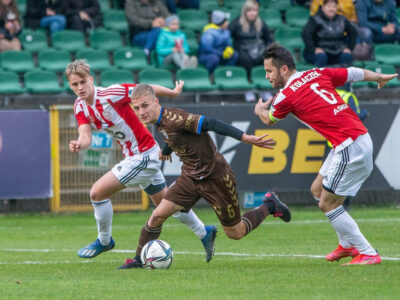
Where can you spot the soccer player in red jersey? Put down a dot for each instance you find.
(205, 172)
(310, 96)
(108, 108)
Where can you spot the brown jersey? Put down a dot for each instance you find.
(182, 132)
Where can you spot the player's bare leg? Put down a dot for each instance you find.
(152, 230)
(348, 232)
(100, 195)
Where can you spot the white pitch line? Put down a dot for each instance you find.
(236, 255)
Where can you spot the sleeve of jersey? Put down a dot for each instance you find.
(121, 92)
(280, 108)
(338, 76)
(80, 115)
(182, 120)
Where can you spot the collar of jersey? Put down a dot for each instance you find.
(293, 77)
(159, 118)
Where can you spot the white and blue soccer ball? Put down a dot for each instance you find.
(157, 254)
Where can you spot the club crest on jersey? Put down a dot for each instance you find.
(164, 133)
(107, 115)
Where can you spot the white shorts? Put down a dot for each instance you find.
(141, 170)
(345, 171)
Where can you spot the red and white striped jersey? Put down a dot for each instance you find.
(111, 112)
(311, 97)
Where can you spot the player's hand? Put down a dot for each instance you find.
(259, 141)
(385, 78)
(262, 106)
(163, 157)
(74, 146)
(318, 50)
(346, 50)
(178, 88)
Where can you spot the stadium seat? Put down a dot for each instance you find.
(156, 76)
(106, 40)
(232, 78)
(209, 5)
(234, 3)
(69, 40)
(17, 61)
(97, 59)
(111, 77)
(9, 83)
(33, 41)
(130, 59)
(233, 12)
(281, 5)
(54, 60)
(115, 20)
(297, 16)
(21, 4)
(193, 19)
(272, 17)
(104, 5)
(192, 41)
(195, 79)
(388, 54)
(258, 78)
(289, 37)
(42, 82)
(304, 67)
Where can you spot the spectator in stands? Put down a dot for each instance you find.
(329, 37)
(145, 18)
(215, 43)
(10, 26)
(82, 15)
(250, 39)
(172, 46)
(379, 18)
(173, 4)
(45, 14)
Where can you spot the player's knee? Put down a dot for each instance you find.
(95, 195)
(315, 191)
(156, 219)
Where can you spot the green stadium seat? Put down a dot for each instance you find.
(290, 37)
(258, 78)
(195, 79)
(42, 82)
(304, 67)
(192, 41)
(234, 3)
(9, 83)
(115, 20)
(156, 76)
(21, 4)
(104, 5)
(70, 40)
(281, 5)
(111, 77)
(209, 5)
(193, 19)
(33, 41)
(54, 60)
(388, 54)
(272, 17)
(130, 59)
(232, 78)
(297, 16)
(17, 61)
(106, 40)
(97, 59)
(233, 12)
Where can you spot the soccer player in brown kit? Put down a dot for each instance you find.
(205, 173)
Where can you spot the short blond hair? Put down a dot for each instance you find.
(142, 90)
(78, 67)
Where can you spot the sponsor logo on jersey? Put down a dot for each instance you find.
(299, 83)
(340, 108)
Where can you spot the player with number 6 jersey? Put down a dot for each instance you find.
(108, 108)
(311, 97)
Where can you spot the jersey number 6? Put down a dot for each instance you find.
(324, 94)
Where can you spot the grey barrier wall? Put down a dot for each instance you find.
(25, 154)
(299, 152)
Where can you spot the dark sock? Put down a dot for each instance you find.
(146, 235)
(254, 217)
(271, 207)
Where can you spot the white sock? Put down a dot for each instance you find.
(103, 213)
(347, 229)
(193, 222)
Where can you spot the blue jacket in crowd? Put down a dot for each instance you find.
(166, 41)
(214, 40)
(376, 15)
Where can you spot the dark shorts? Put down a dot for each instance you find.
(218, 191)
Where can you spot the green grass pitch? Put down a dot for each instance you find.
(278, 260)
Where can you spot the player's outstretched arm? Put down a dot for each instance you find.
(166, 92)
(84, 139)
(226, 129)
(381, 79)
